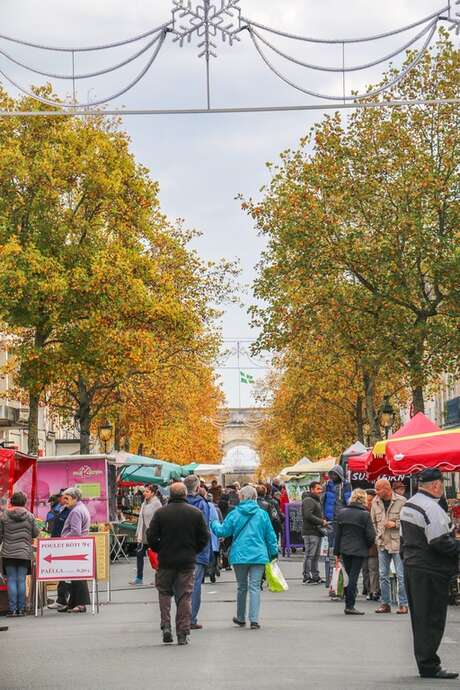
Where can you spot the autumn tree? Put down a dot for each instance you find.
(97, 287)
(361, 224)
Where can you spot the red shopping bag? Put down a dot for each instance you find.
(153, 558)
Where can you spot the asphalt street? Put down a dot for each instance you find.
(305, 642)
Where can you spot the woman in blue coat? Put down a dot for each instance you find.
(253, 546)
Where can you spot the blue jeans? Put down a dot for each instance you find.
(385, 559)
(253, 574)
(16, 582)
(196, 594)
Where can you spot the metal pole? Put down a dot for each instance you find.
(93, 610)
(36, 598)
(239, 374)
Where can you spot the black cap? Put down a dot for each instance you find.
(431, 474)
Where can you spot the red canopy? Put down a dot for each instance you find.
(419, 424)
(440, 449)
(378, 463)
(358, 463)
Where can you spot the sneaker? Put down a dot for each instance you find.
(196, 626)
(306, 579)
(21, 613)
(136, 581)
(182, 639)
(56, 606)
(353, 612)
(242, 624)
(11, 614)
(255, 626)
(314, 581)
(167, 636)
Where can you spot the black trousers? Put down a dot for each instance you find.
(352, 565)
(428, 596)
(79, 593)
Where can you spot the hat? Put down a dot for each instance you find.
(431, 474)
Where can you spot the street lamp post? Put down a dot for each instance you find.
(105, 432)
(387, 415)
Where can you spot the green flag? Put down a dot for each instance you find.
(246, 378)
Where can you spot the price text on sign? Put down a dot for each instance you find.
(67, 558)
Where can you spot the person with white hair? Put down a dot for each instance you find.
(253, 546)
(77, 524)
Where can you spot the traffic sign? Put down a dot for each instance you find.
(66, 558)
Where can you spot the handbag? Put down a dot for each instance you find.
(339, 580)
(153, 558)
(275, 579)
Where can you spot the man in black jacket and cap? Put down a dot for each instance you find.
(430, 552)
(177, 532)
(313, 525)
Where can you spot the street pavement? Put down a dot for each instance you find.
(305, 642)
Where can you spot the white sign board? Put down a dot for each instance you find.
(66, 558)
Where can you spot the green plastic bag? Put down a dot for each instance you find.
(275, 578)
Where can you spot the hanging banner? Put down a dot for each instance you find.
(67, 558)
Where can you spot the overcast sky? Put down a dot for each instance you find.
(203, 161)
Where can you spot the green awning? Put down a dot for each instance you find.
(151, 471)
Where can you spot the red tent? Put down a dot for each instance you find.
(410, 454)
(17, 472)
(359, 463)
(379, 464)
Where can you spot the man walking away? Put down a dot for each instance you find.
(313, 524)
(385, 514)
(430, 553)
(177, 533)
(192, 482)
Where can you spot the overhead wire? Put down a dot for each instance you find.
(87, 75)
(353, 68)
(86, 49)
(100, 101)
(368, 94)
(361, 39)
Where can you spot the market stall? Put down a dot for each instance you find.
(133, 473)
(94, 475)
(18, 472)
(297, 479)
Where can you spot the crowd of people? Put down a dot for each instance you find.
(199, 529)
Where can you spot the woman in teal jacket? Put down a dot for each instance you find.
(254, 544)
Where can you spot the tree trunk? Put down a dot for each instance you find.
(32, 441)
(371, 412)
(84, 417)
(117, 435)
(359, 419)
(40, 337)
(415, 362)
(418, 400)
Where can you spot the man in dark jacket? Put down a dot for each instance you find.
(430, 552)
(313, 523)
(192, 483)
(177, 532)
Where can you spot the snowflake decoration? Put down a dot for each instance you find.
(454, 16)
(206, 21)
